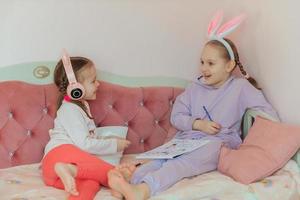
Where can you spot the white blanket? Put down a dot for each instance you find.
(25, 183)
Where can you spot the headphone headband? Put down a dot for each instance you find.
(74, 90)
(68, 67)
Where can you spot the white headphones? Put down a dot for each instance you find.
(74, 90)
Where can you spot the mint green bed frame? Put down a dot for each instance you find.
(42, 73)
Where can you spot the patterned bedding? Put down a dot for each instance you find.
(25, 183)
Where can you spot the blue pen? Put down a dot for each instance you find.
(209, 117)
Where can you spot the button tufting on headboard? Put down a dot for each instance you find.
(27, 112)
(24, 122)
(145, 110)
(45, 110)
(10, 115)
(29, 133)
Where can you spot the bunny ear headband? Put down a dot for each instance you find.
(216, 33)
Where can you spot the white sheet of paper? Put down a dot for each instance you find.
(173, 148)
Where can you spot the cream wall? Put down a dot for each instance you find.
(158, 37)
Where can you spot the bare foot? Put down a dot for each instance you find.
(116, 194)
(127, 173)
(126, 170)
(66, 175)
(131, 192)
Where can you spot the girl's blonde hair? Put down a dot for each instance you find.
(61, 80)
(226, 55)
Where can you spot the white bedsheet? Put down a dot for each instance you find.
(25, 183)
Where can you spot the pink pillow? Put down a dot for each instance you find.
(267, 148)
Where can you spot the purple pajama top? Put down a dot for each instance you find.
(226, 106)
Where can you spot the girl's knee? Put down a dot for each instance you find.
(214, 144)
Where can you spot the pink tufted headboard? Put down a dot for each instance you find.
(27, 112)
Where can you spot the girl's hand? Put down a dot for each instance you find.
(206, 126)
(122, 144)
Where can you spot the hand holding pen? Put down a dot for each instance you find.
(207, 113)
(207, 126)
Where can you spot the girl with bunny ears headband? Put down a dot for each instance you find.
(217, 35)
(209, 109)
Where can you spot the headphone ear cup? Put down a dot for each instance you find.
(75, 91)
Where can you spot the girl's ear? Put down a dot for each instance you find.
(230, 66)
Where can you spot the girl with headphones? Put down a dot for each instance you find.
(68, 162)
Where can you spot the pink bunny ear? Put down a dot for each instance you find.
(215, 23)
(230, 26)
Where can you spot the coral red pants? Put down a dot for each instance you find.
(91, 171)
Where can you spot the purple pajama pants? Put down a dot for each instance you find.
(161, 174)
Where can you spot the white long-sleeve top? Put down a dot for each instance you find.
(73, 126)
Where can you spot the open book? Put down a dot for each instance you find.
(172, 149)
